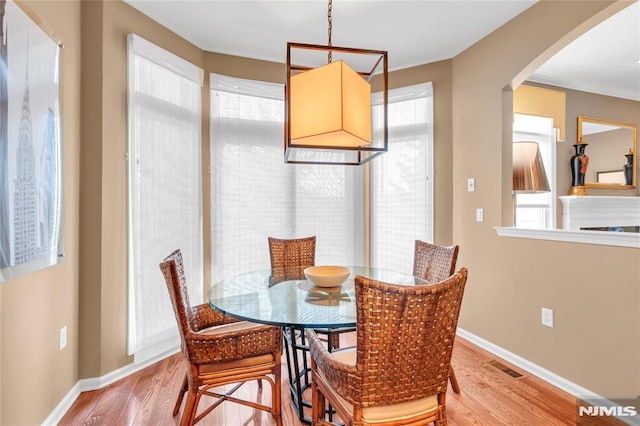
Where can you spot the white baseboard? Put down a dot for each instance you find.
(84, 385)
(56, 415)
(544, 374)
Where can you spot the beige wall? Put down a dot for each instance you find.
(35, 375)
(509, 278)
(593, 289)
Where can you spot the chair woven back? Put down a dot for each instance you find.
(208, 348)
(172, 268)
(293, 252)
(434, 263)
(405, 337)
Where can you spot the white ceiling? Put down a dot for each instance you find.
(413, 32)
(602, 60)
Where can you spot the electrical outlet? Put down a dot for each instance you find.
(547, 317)
(479, 215)
(471, 184)
(63, 337)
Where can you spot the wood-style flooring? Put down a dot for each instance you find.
(489, 397)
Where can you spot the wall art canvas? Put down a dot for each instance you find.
(30, 144)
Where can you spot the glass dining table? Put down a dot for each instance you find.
(284, 298)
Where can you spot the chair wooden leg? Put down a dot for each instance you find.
(454, 380)
(276, 402)
(441, 416)
(317, 400)
(190, 408)
(183, 389)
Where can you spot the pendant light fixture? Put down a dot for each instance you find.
(328, 104)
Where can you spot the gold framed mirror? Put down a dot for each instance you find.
(612, 153)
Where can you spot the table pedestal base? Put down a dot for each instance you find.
(299, 366)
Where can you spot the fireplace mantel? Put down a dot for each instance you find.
(589, 212)
(579, 212)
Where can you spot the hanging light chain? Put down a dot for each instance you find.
(330, 20)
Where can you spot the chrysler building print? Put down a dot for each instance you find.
(25, 201)
(5, 248)
(30, 163)
(47, 214)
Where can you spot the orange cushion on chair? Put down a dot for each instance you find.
(230, 327)
(386, 413)
(238, 363)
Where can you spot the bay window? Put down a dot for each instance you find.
(256, 195)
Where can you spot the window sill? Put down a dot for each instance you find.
(619, 239)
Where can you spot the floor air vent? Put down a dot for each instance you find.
(513, 373)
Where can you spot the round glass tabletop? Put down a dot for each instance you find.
(284, 297)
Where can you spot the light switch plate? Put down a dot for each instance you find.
(63, 337)
(547, 317)
(479, 215)
(471, 184)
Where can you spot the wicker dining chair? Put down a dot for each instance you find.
(397, 374)
(220, 350)
(289, 257)
(435, 263)
(291, 253)
(294, 254)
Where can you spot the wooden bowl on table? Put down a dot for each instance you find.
(327, 276)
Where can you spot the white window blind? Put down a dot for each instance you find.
(402, 179)
(256, 195)
(165, 189)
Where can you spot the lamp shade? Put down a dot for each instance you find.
(528, 170)
(330, 106)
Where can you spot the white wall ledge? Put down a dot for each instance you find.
(619, 239)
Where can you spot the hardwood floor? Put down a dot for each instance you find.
(489, 397)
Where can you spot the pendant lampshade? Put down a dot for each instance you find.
(328, 104)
